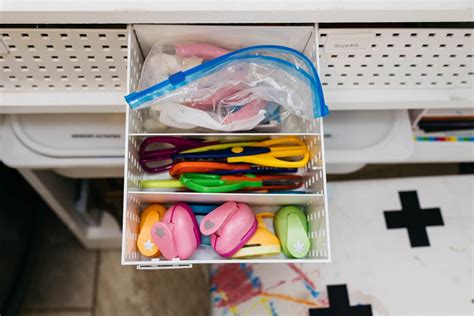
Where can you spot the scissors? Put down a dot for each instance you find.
(212, 183)
(147, 156)
(222, 168)
(179, 144)
(265, 153)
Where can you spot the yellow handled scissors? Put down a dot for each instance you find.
(265, 153)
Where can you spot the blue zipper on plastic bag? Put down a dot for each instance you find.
(137, 99)
(181, 78)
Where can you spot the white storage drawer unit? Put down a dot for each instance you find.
(312, 196)
(79, 71)
(61, 103)
(377, 62)
(62, 91)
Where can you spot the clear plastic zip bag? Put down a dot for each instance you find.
(236, 91)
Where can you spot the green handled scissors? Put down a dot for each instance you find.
(202, 182)
(213, 183)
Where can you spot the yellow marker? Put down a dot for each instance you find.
(154, 184)
(150, 215)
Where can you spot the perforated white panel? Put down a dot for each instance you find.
(396, 58)
(131, 228)
(63, 60)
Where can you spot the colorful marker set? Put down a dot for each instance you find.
(232, 230)
(444, 139)
(216, 167)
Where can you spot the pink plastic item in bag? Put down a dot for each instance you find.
(230, 95)
(204, 51)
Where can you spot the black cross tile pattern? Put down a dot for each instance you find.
(339, 304)
(414, 219)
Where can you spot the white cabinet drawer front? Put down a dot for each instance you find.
(70, 69)
(373, 67)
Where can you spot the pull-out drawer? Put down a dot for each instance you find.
(62, 69)
(376, 136)
(75, 145)
(379, 66)
(310, 197)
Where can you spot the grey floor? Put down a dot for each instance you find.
(68, 280)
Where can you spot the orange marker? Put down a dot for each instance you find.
(150, 215)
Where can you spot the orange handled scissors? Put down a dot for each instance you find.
(223, 168)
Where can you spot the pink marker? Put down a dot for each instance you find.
(209, 103)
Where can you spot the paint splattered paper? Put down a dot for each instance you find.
(246, 289)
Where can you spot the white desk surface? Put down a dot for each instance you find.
(233, 11)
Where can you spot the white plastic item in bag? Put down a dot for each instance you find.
(184, 117)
